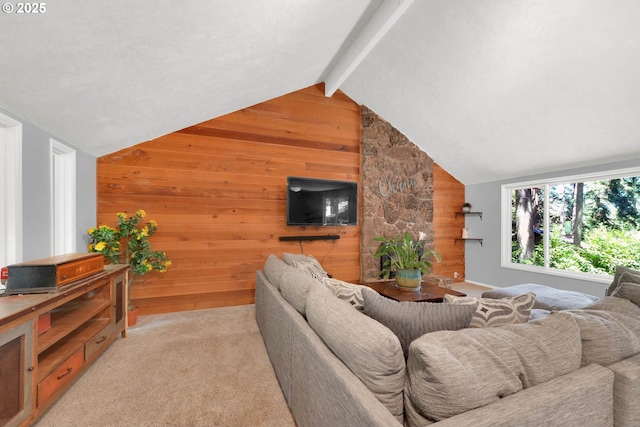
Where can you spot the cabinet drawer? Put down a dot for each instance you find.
(75, 270)
(97, 342)
(61, 376)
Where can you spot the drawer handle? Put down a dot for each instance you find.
(101, 339)
(68, 371)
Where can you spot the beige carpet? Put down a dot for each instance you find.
(196, 368)
(471, 289)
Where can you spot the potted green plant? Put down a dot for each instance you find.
(128, 243)
(406, 258)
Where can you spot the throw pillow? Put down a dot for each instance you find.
(311, 267)
(368, 348)
(623, 274)
(628, 290)
(410, 320)
(349, 292)
(497, 312)
(538, 313)
(547, 298)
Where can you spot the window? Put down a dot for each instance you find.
(63, 200)
(10, 191)
(579, 226)
(336, 209)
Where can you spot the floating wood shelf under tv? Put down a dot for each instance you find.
(302, 238)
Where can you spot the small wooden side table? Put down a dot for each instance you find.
(426, 292)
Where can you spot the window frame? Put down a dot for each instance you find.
(545, 183)
(11, 217)
(63, 198)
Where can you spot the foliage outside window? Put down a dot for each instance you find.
(583, 225)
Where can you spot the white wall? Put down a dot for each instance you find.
(36, 192)
(482, 264)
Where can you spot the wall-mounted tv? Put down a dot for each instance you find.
(321, 202)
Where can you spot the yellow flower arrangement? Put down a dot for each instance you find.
(128, 243)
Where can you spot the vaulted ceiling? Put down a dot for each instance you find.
(490, 89)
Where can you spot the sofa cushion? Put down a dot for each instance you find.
(349, 292)
(497, 312)
(410, 320)
(626, 389)
(307, 264)
(580, 398)
(617, 305)
(609, 329)
(628, 290)
(274, 269)
(295, 286)
(547, 298)
(623, 274)
(290, 258)
(538, 313)
(368, 348)
(450, 372)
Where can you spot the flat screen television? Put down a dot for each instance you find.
(321, 202)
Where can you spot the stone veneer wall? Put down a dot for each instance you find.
(397, 188)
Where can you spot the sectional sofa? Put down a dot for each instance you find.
(339, 367)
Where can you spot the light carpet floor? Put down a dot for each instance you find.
(195, 368)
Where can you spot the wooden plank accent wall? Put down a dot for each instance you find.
(448, 197)
(217, 191)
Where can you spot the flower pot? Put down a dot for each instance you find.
(409, 279)
(132, 316)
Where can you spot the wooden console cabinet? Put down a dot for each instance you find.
(48, 340)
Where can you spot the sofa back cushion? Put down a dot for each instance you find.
(295, 286)
(291, 258)
(628, 290)
(369, 349)
(450, 372)
(274, 269)
(410, 320)
(609, 329)
(622, 274)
